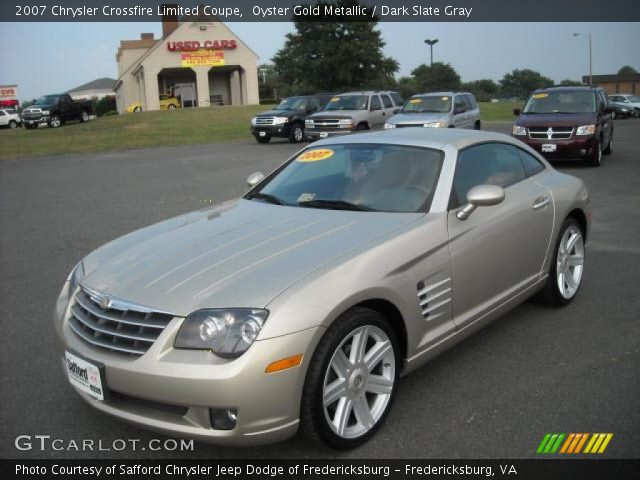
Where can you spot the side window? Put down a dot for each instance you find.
(602, 101)
(459, 104)
(472, 102)
(386, 101)
(397, 99)
(485, 164)
(313, 104)
(467, 102)
(1, 113)
(375, 103)
(530, 163)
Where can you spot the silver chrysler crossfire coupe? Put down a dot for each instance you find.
(299, 306)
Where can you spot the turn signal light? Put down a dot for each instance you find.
(284, 364)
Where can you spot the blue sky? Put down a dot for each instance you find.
(50, 57)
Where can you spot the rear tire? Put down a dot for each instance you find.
(137, 109)
(568, 261)
(477, 126)
(351, 380)
(171, 106)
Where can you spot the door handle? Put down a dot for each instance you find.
(541, 202)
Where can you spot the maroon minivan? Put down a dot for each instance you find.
(567, 122)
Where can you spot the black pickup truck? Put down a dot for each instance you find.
(56, 110)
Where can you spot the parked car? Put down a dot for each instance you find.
(439, 110)
(353, 111)
(299, 306)
(627, 102)
(567, 122)
(620, 110)
(287, 119)
(167, 102)
(56, 110)
(10, 118)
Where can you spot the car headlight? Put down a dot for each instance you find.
(586, 130)
(518, 130)
(345, 123)
(308, 123)
(389, 125)
(75, 277)
(227, 332)
(46, 112)
(280, 120)
(623, 110)
(435, 125)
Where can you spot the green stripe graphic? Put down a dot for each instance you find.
(558, 442)
(543, 443)
(550, 443)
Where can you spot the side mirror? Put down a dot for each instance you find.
(517, 112)
(255, 178)
(608, 110)
(480, 196)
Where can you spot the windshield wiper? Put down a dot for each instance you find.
(334, 205)
(266, 197)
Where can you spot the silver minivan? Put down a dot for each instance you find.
(438, 110)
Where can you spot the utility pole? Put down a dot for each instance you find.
(590, 55)
(431, 43)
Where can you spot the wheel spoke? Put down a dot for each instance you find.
(571, 282)
(575, 260)
(572, 242)
(340, 364)
(561, 282)
(376, 353)
(343, 412)
(379, 384)
(362, 412)
(334, 391)
(359, 345)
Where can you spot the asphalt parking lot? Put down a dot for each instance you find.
(495, 395)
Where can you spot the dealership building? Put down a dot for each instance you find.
(198, 60)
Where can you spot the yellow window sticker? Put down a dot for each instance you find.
(306, 197)
(445, 98)
(415, 100)
(335, 99)
(315, 155)
(540, 95)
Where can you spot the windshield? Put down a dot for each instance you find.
(348, 102)
(432, 103)
(47, 100)
(292, 103)
(372, 177)
(561, 102)
(634, 98)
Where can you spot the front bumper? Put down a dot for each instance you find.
(317, 134)
(149, 390)
(35, 120)
(576, 147)
(281, 130)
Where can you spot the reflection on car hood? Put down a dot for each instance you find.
(336, 114)
(418, 117)
(239, 254)
(279, 113)
(555, 119)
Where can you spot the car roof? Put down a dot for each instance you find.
(437, 94)
(436, 138)
(367, 92)
(569, 88)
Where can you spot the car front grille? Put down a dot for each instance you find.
(115, 328)
(265, 121)
(326, 123)
(404, 125)
(434, 298)
(550, 133)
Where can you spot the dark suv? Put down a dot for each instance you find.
(567, 122)
(287, 119)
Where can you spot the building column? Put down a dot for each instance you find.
(252, 89)
(236, 91)
(151, 91)
(202, 86)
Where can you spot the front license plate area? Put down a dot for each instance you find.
(549, 147)
(324, 135)
(84, 375)
(262, 134)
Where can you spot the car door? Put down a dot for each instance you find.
(459, 112)
(4, 119)
(604, 119)
(376, 113)
(389, 108)
(65, 107)
(498, 251)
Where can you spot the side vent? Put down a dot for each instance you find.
(433, 297)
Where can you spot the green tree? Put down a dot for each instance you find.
(520, 83)
(484, 89)
(407, 86)
(334, 54)
(627, 69)
(567, 82)
(270, 85)
(441, 76)
(27, 103)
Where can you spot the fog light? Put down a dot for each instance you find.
(583, 152)
(223, 418)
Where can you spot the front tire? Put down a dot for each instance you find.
(84, 116)
(171, 106)
(567, 266)
(55, 121)
(351, 380)
(297, 134)
(596, 157)
(609, 149)
(13, 124)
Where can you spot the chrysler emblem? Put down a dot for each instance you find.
(550, 133)
(105, 302)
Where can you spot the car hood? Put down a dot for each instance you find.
(555, 119)
(41, 106)
(279, 113)
(418, 117)
(240, 254)
(337, 113)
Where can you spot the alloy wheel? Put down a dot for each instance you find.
(570, 262)
(359, 382)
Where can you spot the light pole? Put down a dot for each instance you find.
(263, 71)
(590, 57)
(431, 43)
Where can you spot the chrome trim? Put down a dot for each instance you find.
(265, 121)
(119, 304)
(427, 294)
(549, 133)
(115, 318)
(95, 341)
(82, 318)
